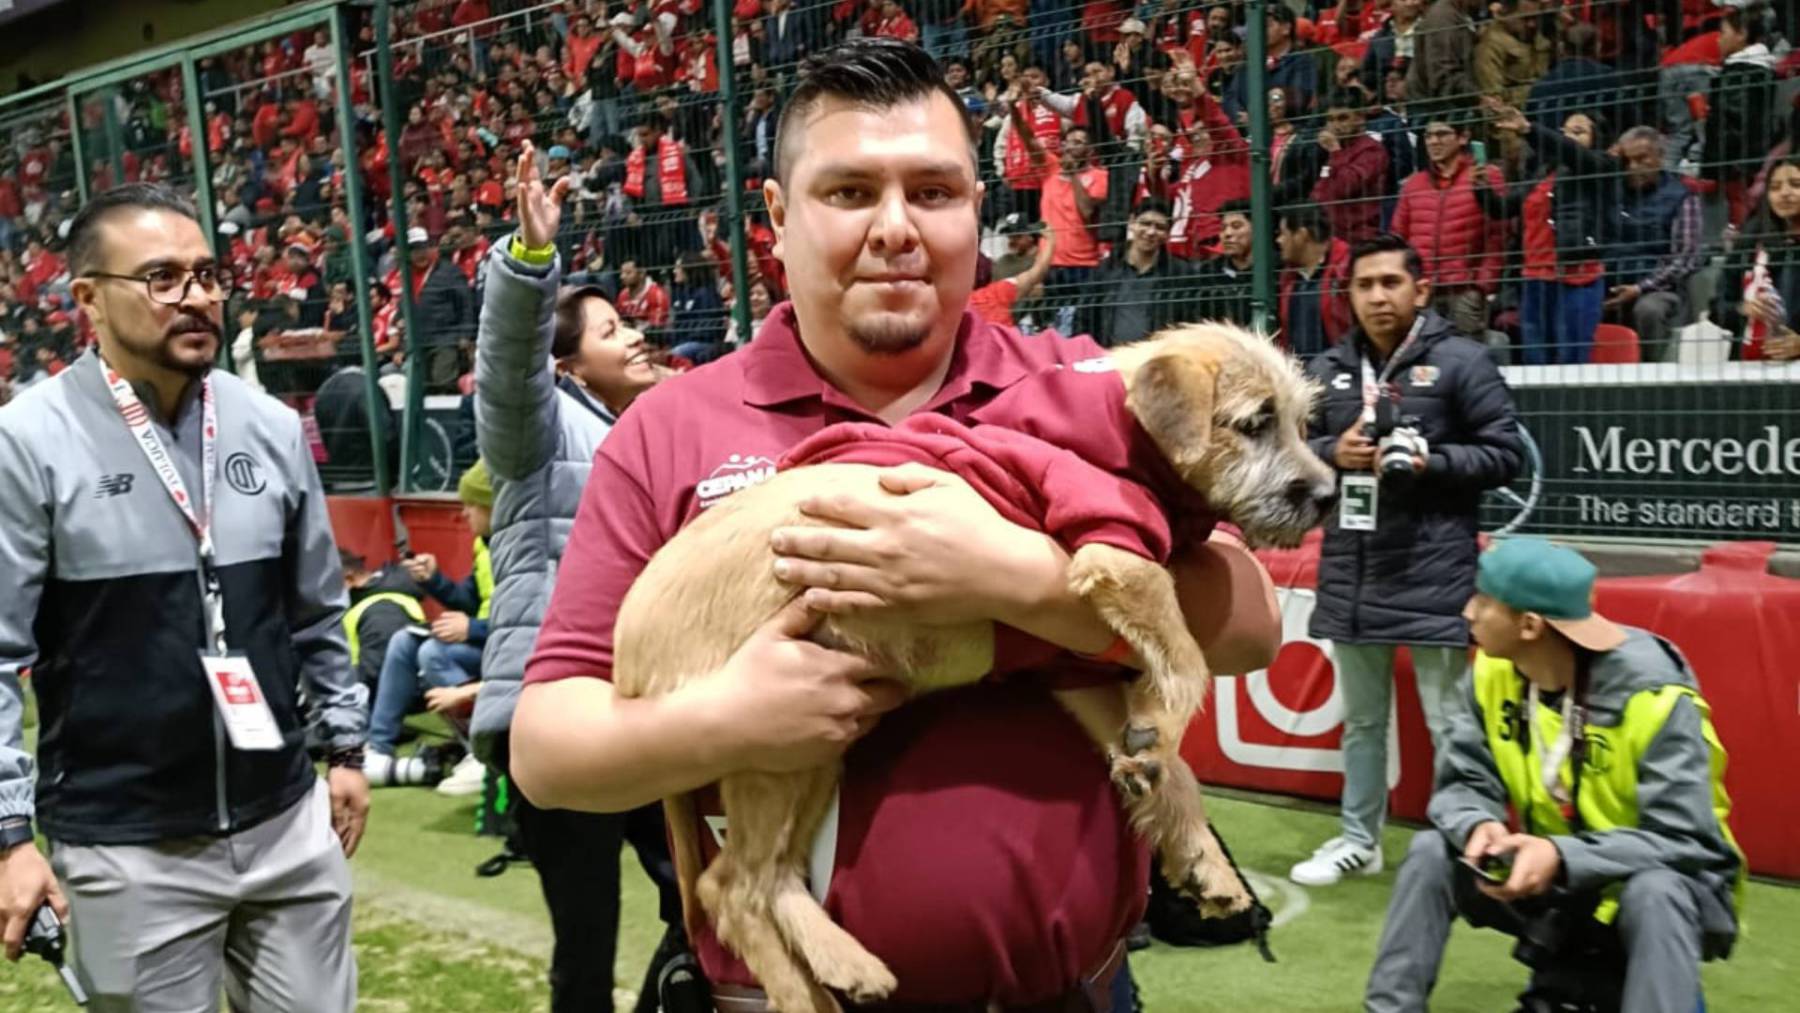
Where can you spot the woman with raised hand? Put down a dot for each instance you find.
(553, 372)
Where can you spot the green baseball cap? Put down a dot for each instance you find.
(1532, 575)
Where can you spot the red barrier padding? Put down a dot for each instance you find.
(365, 525)
(1739, 626)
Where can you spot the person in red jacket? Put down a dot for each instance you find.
(894, 23)
(582, 44)
(1439, 216)
(1315, 282)
(642, 303)
(1350, 185)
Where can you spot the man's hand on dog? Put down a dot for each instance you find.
(1355, 451)
(791, 704)
(931, 548)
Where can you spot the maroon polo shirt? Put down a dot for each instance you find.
(982, 851)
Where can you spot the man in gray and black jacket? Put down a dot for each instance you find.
(1399, 562)
(175, 593)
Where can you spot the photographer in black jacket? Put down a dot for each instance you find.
(1418, 422)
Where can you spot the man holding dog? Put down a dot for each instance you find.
(1624, 854)
(980, 848)
(1419, 423)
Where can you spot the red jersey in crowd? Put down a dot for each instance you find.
(994, 301)
(897, 27)
(1076, 245)
(1018, 171)
(1117, 104)
(581, 50)
(648, 306)
(699, 68)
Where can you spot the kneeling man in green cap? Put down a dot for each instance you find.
(1618, 864)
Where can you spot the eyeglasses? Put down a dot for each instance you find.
(169, 285)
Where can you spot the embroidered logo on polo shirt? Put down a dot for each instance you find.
(1098, 364)
(244, 474)
(740, 471)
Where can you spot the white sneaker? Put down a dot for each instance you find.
(1334, 860)
(465, 779)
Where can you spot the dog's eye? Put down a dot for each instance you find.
(1256, 425)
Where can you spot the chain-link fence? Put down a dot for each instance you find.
(1602, 194)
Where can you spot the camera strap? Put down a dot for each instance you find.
(1373, 384)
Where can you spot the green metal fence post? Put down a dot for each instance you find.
(734, 173)
(199, 160)
(1262, 215)
(390, 124)
(115, 135)
(359, 254)
(77, 147)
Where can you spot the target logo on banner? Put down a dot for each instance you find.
(1289, 718)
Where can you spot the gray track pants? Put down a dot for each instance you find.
(1365, 677)
(265, 912)
(1659, 923)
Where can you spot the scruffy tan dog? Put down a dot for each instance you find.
(1226, 409)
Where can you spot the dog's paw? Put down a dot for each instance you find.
(1216, 887)
(1136, 775)
(1140, 739)
(861, 975)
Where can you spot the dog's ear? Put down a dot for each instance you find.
(1172, 396)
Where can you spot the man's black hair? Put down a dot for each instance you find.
(1153, 205)
(1309, 217)
(1751, 21)
(84, 228)
(1283, 13)
(1387, 242)
(874, 72)
(1344, 98)
(1239, 206)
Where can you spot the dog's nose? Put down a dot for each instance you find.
(1321, 496)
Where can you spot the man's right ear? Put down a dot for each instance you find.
(87, 299)
(776, 202)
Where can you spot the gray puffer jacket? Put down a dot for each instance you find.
(538, 439)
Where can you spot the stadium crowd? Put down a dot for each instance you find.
(1560, 167)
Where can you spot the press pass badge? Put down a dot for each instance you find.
(248, 720)
(1356, 504)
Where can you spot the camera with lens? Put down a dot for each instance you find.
(1397, 442)
(1544, 940)
(1555, 934)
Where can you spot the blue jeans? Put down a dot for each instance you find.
(1557, 321)
(1067, 289)
(414, 664)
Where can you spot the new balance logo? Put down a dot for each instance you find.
(114, 485)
